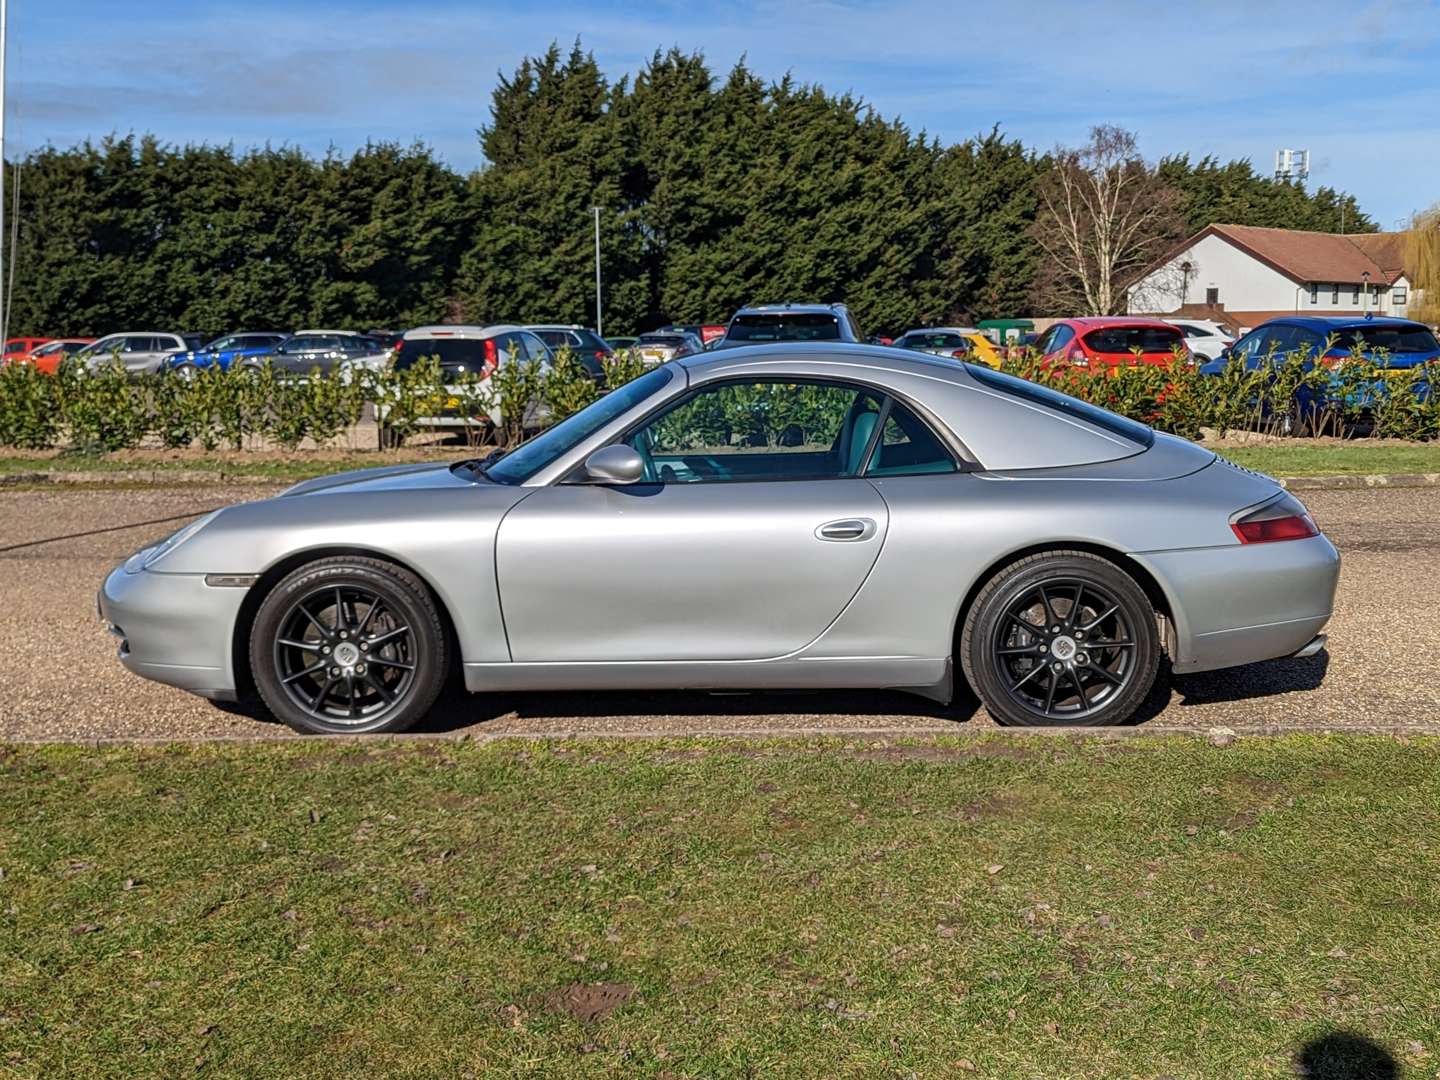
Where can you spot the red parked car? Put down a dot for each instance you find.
(1111, 341)
(21, 346)
(48, 357)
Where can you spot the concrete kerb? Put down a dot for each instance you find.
(1217, 735)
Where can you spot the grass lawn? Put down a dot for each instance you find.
(1019, 906)
(1304, 458)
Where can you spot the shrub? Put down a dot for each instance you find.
(29, 407)
(104, 409)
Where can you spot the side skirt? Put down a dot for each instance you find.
(927, 676)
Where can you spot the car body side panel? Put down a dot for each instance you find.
(440, 526)
(175, 629)
(681, 572)
(948, 532)
(1247, 602)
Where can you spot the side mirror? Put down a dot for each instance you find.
(618, 464)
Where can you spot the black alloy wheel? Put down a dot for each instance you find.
(1064, 638)
(348, 645)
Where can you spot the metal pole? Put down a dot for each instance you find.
(599, 317)
(4, 295)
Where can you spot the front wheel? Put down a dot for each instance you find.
(1061, 638)
(349, 644)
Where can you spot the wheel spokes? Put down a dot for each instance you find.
(1081, 676)
(347, 680)
(380, 639)
(313, 668)
(392, 663)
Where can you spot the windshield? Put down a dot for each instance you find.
(1394, 339)
(673, 341)
(789, 326)
(1124, 339)
(529, 458)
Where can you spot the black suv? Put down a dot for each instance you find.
(761, 323)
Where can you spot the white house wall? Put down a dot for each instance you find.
(1244, 282)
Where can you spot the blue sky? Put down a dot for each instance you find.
(1356, 83)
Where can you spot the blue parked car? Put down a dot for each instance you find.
(1399, 344)
(1406, 343)
(224, 351)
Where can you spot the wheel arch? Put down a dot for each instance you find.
(280, 569)
(1136, 570)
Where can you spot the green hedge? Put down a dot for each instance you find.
(108, 410)
(1282, 395)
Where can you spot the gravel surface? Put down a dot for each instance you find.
(61, 680)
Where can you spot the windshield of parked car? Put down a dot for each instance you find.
(1062, 403)
(1394, 339)
(786, 326)
(529, 458)
(673, 341)
(1124, 339)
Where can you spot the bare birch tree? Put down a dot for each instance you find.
(1104, 217)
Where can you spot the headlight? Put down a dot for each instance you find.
(147, 557)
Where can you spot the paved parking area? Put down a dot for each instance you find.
(59, 678)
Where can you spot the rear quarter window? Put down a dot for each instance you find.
(1063, 404)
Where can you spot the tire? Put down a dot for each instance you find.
(186, 372)
(1032, 675)
(379, 670)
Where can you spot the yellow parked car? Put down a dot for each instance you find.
(957, 342)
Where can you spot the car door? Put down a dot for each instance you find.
(300, 354)
(138, 353)
(750, 534)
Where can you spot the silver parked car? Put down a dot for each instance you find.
(833, 515)
(662, 346)
(141, 352)
(474, 350)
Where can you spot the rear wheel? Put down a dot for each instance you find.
(1061, 638)
(349, 644)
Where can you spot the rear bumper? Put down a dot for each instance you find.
(1248, 602)
(173, 629)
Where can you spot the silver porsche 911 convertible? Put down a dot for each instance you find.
(826, 515)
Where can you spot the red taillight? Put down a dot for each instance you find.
(492, 357)
(1283, 519)
(960, 354)
(600, 354)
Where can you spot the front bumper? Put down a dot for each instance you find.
(174, 629)
(1250, 602)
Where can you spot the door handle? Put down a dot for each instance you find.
(847, 529)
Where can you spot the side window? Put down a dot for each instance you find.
(761, 430)
(1063, 336)
(1043, 345)
(540, 350)
(908, 447)
(1307, 340)
(1281, 339)
(1249, 346)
